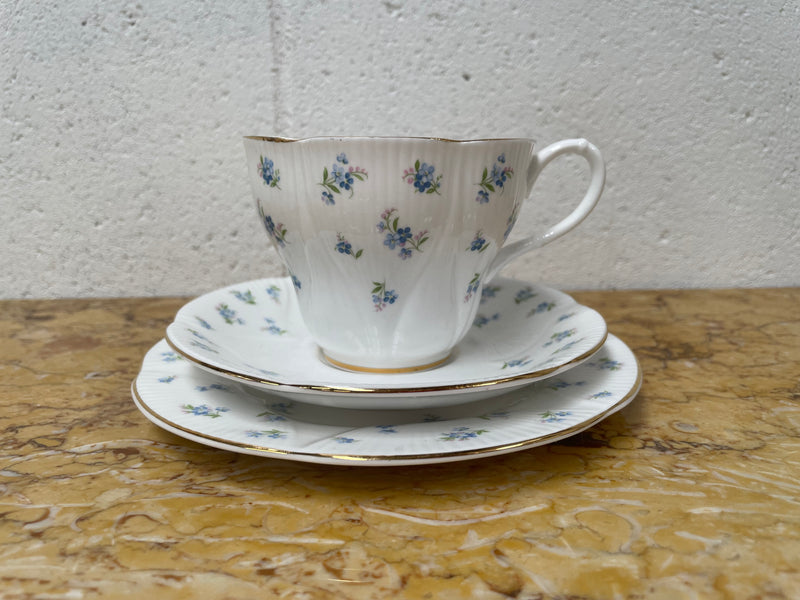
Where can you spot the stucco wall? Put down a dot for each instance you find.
(122, 169)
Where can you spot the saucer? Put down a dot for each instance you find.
(204, 408)
(253, 332)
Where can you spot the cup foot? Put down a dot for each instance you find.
(384, 370)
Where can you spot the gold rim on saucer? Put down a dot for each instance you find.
(341, 389)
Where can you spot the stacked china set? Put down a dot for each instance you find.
(391, 341)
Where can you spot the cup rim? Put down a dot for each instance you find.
(340, 138)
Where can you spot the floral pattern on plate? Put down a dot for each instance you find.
(266, 344)
(243, 419)
(472, 287)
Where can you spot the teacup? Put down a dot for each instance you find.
(389, 240)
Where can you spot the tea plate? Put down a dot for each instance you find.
(220, 413)
(253, 332)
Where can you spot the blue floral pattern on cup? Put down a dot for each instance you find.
(268, 173)
(512, 220)
(478, 243)
(472, 287)
(382, 296)
(276, 231)
(423, 177)
(346, 248)
(494, 180)
(398, 236)
(340, 178)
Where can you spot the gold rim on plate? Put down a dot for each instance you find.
(499, 448)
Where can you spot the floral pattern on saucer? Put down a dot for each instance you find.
(523, 332)
(198, 406)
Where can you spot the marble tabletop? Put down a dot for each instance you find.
(691, 491)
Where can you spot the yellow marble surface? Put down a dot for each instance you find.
(692, 491)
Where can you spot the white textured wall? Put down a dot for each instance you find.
(122, 169)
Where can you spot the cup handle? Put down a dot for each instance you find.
(538, 162)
